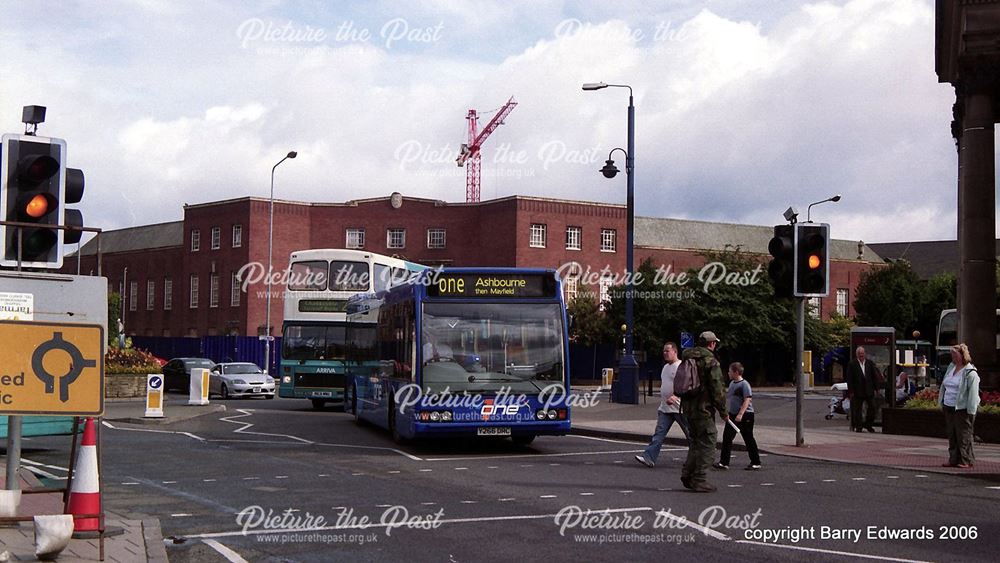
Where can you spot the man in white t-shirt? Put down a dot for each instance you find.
(669, 411)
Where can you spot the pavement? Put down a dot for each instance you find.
(140, 538)
(827, 440)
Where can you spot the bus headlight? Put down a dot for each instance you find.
(551, 415)
(435, 416)
(286, 379)
(540, 415)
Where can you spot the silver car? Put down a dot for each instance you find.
(240, 379)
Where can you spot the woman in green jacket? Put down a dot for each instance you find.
(959, 398)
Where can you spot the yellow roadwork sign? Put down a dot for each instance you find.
(51, 368)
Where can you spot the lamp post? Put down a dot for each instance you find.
(834, 199)
(628, 368)
(270, 247)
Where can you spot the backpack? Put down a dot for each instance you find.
(687, 382)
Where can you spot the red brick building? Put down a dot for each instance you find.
(179, 278)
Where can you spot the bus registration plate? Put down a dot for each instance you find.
(321, 394)
(493, 431)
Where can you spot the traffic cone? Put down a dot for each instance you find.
(85, 494)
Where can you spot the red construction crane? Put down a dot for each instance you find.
(470, 156)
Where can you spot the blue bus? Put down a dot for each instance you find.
(320, 281)
(462, 352)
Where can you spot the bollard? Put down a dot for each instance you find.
(154, 396)
(199, 387)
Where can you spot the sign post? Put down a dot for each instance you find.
(154, 396)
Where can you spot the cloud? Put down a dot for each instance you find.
(740, 112)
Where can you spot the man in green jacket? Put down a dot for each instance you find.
(699, 411)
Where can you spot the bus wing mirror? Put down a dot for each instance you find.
(570, 320)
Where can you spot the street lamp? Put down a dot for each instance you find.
(834, 199)
(628, 368)
(270, 247)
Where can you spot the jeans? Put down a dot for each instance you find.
(746, 430)
(664, 420)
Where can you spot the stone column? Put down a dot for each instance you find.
(977, 230)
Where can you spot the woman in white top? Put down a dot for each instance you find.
(959, 399)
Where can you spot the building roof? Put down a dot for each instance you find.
(131, 239)
(928, 258)
(686, 234)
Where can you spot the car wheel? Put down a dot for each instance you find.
(318, 404)
(224, 392)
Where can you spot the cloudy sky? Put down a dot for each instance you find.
(743, 107)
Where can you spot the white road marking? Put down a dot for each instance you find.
(281, 476)
(383, 506)
(586, 494)
(393, 472)
(469, 502)
(767, 484)
(492, 467)
(42, 472)
(428, 503)
(994, 488)
(188, 434)
(426, 470)
(920, 476)
(323, 475)
(208, 480)
(626, 492)
(356, 474)
(857, 478)
(547, 496)
(892, 476)
(250, 478)
(169, 482)
(461, 468)
(506, 499)
(595, 438)
(829, 480)
(129, 483)
(229, 554)
(831, 552)
(532, 456)
(800, 482)
(618, 461)
(690, 524)
(369, 526)
(734, 486)
(181, 514)
(31, 462)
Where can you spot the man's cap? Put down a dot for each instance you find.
(709, 336)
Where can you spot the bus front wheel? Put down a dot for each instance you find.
(523, 440)
(394, 426)
(318, 403)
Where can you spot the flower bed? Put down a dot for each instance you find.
(922, 416)
(125, 372)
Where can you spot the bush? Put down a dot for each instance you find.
(130, 360)
(928, 399)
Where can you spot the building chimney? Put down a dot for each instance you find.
(861, 250)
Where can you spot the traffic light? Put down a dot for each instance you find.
(780, 269)
(812, 260)
(35, 186)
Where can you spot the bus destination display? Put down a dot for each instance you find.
(511, 286)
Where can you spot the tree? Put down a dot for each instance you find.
(891, 296)
(114, 311)
(590, 326)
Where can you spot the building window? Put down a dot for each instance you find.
(234, 294)
(168, 294)
(537, 236)
(133, 295)
(194, 292)
(150, 295)
(815, 305)
(216, 238)
(213, 290)
(573, 236)
(237, 236)
(435, 238)
(395, 238)
(608, 240)
(195, 240)
(570, 286)
(842, 302)
(355, 238)
(605, 290)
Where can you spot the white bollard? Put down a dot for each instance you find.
(199, 387)
(10, 500)
(154, 396)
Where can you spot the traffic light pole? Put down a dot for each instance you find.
(13, 451)
(800, 376)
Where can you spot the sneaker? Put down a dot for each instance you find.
(642, 459)
(718, 465)
(703, 488)
(752, 467)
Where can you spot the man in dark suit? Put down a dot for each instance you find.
(862, 385)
